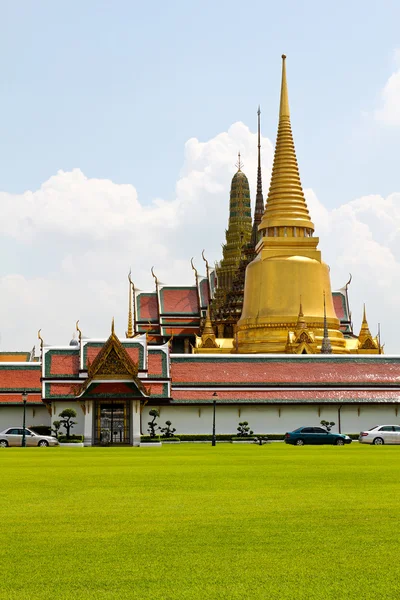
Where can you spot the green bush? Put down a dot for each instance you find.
(203, 437)
(149, 438)
(72, 438)
(248, 438)
(170, 439)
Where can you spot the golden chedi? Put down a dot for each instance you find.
(288, 265)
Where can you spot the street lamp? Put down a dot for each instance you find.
(215, 395)
(24, 399)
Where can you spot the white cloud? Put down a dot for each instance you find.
(75, 239)
(389, 111)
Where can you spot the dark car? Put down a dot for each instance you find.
(315, 435)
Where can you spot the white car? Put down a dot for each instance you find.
(381, 434)
(13, 437)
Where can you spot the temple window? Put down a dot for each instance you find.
(295, 231)
(285, 231)
(275, 232)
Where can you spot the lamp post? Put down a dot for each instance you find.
(215, 395)
(24, 399)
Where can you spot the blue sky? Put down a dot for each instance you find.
(124, 120)
(116, 88)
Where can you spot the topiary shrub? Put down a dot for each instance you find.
(244, 429)
(327, 424)
(168, 431)
(152, 425)
(56, 428)
(66, 419)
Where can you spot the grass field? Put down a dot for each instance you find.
(191, 521)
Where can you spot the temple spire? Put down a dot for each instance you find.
(284, 111)
(364, 331)
(259, 206)
(129, 332)
(286, 213)
(326, 347)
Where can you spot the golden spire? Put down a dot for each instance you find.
(301, 322)
(208, 328)
(286, 212)
(129, 332)
(112, 327)
(239, 163)
(208, 335)
(326, 347)
(364, 331)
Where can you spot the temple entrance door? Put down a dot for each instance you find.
(112, 422)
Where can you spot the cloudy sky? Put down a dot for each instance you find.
(121, 122)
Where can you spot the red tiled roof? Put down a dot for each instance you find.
(64, 364)
(287, 395)
(182, 300)
(269, 371)
(146, 307)
(20, 378)
(17, 399)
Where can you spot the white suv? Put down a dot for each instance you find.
(381, 434)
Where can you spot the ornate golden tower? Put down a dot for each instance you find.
(288, 265)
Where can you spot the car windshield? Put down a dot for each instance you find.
(374, 427)
(299, 429)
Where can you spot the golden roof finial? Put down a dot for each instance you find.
(112, 327)
(79, 331)
(286, 205)
(239, 163)
(129, 332)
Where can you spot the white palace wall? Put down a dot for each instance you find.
(198, 419)
(270, 419)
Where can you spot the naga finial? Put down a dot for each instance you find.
(41, 340)
(129, 277)
(194, 268)
(155, 276)
(205, 260)
(79, 331)
(349, 281)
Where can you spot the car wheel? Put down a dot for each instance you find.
(43, 443)
(299, 442)
(339, 442)
(3, 443)
(378, 442)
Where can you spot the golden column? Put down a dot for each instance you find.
(288, 265)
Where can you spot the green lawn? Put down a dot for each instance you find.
(194, 522)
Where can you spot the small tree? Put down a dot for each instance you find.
(56, 428)
(152, 424)
(244, 429)
(327, 424)
(168, 431)
(260, 440)
(66, 419)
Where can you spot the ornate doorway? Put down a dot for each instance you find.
(112, 422)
